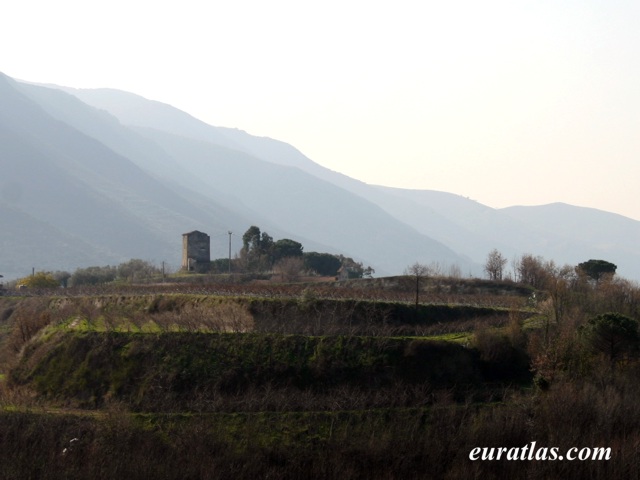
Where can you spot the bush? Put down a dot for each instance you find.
(500, 359)
(612, 334)
(40, 280)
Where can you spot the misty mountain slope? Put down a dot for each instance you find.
(470, 227)
(109, 131)
(473, 229)
(137, 111)
(447, 228)
(424, 220)
(564, 233)
(42, 176)
(466, 226)
(603, 229)
(134, 110)
(441, 227)
(33, 183)
(305, 205)
(104, 127)
(76, 184)
(286, 198)
(463, 225)
(31, 243)
(604, 235)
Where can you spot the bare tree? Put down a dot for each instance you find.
(494, 266)
(420, 271)
(289, 268)
(558, 284)
(455, 271)
(532, 271)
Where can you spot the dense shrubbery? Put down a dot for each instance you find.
(417, 443)
(322, 263)
(134, 270)
(44, 280)
(342, 403)
(182, 372)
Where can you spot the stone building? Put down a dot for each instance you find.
(196, 256)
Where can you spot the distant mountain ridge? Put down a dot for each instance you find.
(466, 226)
(132, 191)
(68, 182)
(143, 172)
(282, 201)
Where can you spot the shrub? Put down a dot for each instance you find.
(612, 334)
(40, 280)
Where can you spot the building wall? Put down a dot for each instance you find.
(196, 253)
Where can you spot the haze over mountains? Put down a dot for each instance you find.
(95, 177)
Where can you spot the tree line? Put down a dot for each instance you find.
(127, 272)
(260, 253)
(536, 271)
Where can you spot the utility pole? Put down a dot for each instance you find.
(230, 233)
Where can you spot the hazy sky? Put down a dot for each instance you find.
(505, 102)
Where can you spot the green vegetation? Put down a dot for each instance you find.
(337, 380)
(207, 372)
(612, 334)
(260, 253)
(596, 269)
(39, 280)
(322, 263)
(133, 270)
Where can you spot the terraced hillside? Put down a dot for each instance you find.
(297, 381)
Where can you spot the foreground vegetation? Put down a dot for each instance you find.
(342, 380)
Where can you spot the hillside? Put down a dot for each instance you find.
(464, 225)
(171, 128)
(214, 188)
(577, 233)
(347, 380)
(65, 183)
(120, 176)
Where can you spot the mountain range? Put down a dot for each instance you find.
(99, 176)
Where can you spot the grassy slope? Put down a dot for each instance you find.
(181, 371)
(336, 403)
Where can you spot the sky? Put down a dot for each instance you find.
(504, 102)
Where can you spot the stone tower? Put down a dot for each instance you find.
(196, 256)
